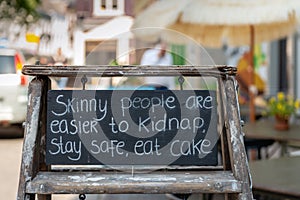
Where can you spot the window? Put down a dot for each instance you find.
(108, 7)
(7, 64)
(100, 52)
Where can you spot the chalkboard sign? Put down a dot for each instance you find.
(141, 127)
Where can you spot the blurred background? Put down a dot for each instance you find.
(264, 35)
(99, 32)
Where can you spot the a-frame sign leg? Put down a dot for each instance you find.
(237, 153)
(34, 137)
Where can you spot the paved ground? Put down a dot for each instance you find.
(10, 159)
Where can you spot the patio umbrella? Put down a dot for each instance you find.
(213, 22)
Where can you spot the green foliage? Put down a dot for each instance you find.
(282, 105)
(178, 54)
(19, 11)
(114, 62)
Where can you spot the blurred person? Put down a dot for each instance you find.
(158, 56)
(43, 60)
(60, 60)
(244, 81)
(258, 88)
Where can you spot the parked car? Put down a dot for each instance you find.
(13, 89)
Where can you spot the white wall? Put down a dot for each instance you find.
(117, 29)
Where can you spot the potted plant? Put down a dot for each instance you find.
(282, 107)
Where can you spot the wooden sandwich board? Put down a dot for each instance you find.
(133, 141)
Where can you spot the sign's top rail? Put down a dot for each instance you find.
(127, 70)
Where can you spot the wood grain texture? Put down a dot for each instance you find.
(118, 182)
(134, 70)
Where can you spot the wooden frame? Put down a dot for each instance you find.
(232, 178)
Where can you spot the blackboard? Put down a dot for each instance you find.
(141, 127)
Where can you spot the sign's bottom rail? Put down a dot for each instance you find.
(116, 183)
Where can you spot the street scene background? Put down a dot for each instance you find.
(111, 33)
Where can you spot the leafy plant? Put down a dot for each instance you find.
(282, 105)
(19, 11)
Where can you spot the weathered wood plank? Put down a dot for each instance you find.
(118, 182)
(42, 133)
(33, 146)
(221, 126)
(30, 148)
(137, 168)
(135, 70)
(239, 163)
